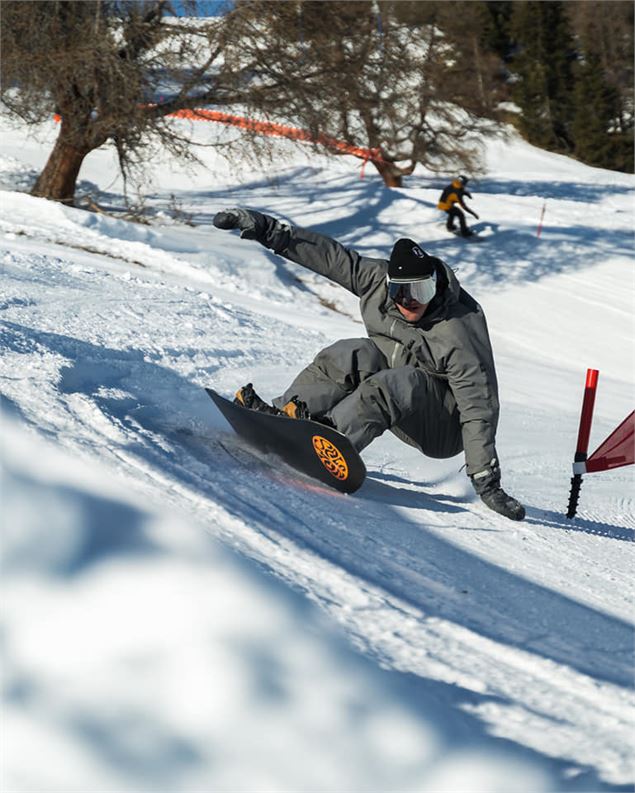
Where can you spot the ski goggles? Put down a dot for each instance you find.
(406, 293)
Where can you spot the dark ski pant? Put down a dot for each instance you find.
(351, 383)
(454, 212)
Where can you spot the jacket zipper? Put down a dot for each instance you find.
(394, 352)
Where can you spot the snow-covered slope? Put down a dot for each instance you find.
(512, 642)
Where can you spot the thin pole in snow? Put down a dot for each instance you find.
(542, 215)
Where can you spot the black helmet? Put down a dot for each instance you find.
(463, 179)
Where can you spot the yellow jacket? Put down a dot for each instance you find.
(453, 194)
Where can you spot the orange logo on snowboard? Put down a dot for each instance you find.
(330, 457)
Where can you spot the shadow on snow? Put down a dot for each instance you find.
(560, 248)
(167, 421)
(170, 424)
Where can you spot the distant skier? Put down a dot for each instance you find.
(426, 372)
(450, 200)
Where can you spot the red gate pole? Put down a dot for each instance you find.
(582, 447)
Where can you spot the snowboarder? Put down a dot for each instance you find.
(450, 200)
(426, 372)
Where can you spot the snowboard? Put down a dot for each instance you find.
(308, 446)
(474, 237)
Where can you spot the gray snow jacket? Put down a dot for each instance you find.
(450, 342)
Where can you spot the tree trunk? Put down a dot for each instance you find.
(59, 177)
(391, 175)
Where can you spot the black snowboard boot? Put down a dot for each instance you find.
(248, 398)
(297, 409)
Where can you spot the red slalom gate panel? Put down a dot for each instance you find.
(617, 450)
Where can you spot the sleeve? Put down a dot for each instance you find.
(472, 379)
(319, 253)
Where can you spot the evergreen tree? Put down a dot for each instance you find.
(603, 125)
(598, 138)
(543, 71)
(496, 27)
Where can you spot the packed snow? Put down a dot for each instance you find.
(183, 613)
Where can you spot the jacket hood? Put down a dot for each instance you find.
(448, 293)
(453, 286)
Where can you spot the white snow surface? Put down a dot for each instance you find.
(181, 613)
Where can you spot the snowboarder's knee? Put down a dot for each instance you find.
(399, 387)
(352, 356)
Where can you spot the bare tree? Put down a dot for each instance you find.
(112, 71)
(414, 88)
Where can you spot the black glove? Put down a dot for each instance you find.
(237, 218)
(487, 484)
(474, 215)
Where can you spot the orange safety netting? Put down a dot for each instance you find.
(617, 450)
(270, 128)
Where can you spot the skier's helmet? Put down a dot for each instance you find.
(412, 274)
(463, 179)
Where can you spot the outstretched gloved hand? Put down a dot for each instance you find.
(487, 484)
(236, 218)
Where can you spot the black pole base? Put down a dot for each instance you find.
(574, 495)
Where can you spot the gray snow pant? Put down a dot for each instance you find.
(351, 384)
